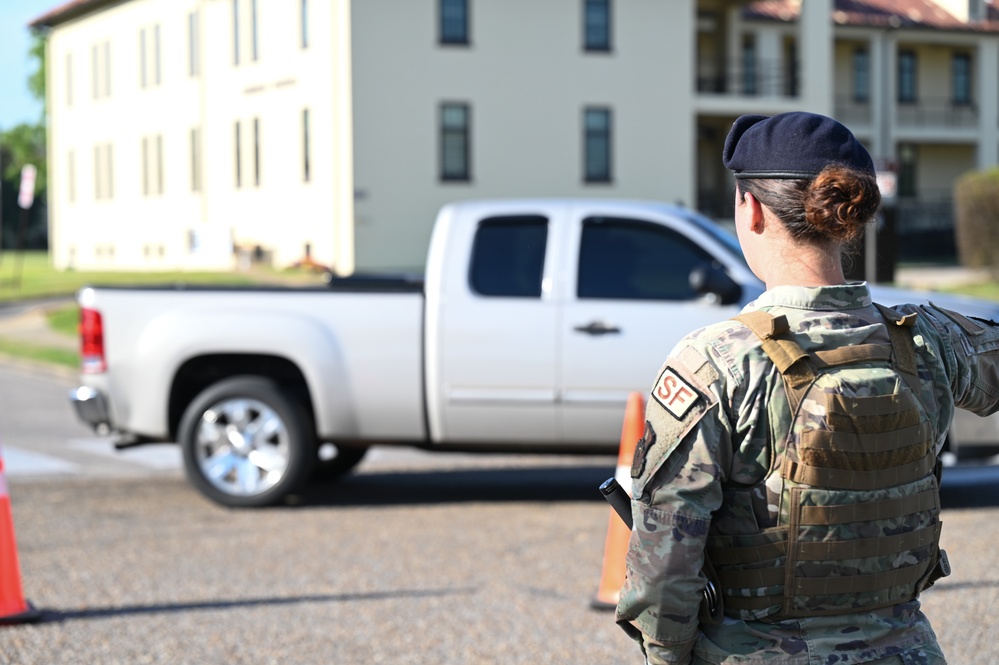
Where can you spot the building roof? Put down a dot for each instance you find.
(920, 14)
(870, 13)
(68, 11)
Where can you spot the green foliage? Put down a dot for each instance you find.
(976, 196)
(984, 290)
(45, 354)
(20, 145)
(65, 320)
(36, 80)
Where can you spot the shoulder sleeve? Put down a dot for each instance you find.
(679, 400)
(969, 355)
(677, 477)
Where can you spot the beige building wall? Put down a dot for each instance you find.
(111, 208)
(939, 167)
(145, 170)
(144, 174)
(527, 80)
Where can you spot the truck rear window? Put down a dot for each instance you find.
(508, 256)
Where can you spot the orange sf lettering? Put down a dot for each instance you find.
(670, 392)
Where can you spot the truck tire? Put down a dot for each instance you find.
(344, 459)
(246, 443)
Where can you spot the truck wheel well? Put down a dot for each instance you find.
(198, 373)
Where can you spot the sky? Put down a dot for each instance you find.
(16, 103)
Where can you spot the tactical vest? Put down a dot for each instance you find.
(853, 488)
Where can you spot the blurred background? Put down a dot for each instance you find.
(195, 135)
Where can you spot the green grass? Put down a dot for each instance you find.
(983, 290)
(52, 355)
(64, 319)
(30, 275)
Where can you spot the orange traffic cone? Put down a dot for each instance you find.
(616, 545)
(13, 607)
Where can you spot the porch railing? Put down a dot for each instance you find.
(942, 113)
(747, 76)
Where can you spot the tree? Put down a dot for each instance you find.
(976, 199)
(20, 145)
(36, 80)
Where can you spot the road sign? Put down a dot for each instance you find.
(27, 194)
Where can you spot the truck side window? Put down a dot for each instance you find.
(636, 260)
(508, 256)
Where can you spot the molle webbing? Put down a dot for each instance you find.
(858, 521)
(871, 441)
(786, 354)
(904, 349)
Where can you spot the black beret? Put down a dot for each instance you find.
(791, 145)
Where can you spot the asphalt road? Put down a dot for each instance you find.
(418, 558)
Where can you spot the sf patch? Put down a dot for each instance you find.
(674, 394)
(680, 398)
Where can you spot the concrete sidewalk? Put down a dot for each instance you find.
(27, 322)
(935, 277)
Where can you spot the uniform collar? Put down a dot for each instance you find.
(854, 295)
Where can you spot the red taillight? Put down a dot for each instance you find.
(91, 341)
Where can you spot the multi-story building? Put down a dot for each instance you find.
(184, 133)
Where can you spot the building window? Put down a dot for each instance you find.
(961, 66)
(254, 45)
(71, 176)
(596, 25)
(454, 21)
(454, 135)
(907, 77)
(103, 172)
(597, 145)
(159, 164)
(149, 56)
(750, 74)
(193, 45)
(143, 64)
(861, 76)
(100, 60)
(235, 32)
(69, 79)
(152, 165)
(195, 159)
(237, 137)
(306, 155)
(145, 166)
(157, 79)
(256, 152)
(303, 24)
(106, 48)
(95, 78)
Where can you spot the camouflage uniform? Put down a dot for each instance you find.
(711, 424)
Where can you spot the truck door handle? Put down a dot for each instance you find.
(597, 328)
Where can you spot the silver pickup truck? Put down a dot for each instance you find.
(534, 321)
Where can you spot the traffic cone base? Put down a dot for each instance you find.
(618, 534)
(13, 607)
(30, 615)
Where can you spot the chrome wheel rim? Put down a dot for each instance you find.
(242, 446)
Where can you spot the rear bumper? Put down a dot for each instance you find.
(90, 407)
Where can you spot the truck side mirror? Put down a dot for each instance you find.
(711, 279)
